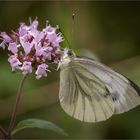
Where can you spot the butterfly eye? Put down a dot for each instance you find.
(71, 53)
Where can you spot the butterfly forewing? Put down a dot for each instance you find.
(125, 94)
(83, 95)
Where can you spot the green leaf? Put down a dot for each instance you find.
(37, 123)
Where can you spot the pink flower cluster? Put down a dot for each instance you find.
(31, 48)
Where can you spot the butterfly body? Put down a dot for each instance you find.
(91, 91)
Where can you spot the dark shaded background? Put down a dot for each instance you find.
(106, 30)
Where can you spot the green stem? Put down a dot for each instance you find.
(15, 108)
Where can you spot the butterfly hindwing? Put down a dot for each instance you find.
(125, 94)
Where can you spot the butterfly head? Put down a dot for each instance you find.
(66, 57)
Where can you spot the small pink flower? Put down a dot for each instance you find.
(34, 24)
(58, 40)
(41, 71)
(27, 47)
(52, 37)
(49, 30)
(39, 37)
(14, 62)
(26, 67)
(13, 47)
(22, 30)
(5, 37)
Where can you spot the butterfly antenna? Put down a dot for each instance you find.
(72, 32)
(64, 36)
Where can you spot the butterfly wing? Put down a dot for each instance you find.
(83, 95)
(124, 93)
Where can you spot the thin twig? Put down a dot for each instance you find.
(3, 132)
(15, 108)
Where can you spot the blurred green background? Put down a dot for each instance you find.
(109, 31)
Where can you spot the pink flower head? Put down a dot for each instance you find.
(30, 48)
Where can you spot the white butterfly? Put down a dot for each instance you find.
(91, 91)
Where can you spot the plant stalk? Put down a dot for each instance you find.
(16, 105)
